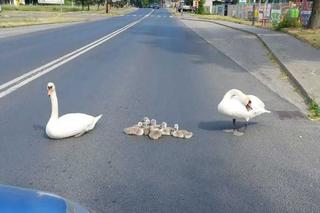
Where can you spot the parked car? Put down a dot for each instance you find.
(187, 8)
(154, 6)
(18, 200)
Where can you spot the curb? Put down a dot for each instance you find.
(296, 83)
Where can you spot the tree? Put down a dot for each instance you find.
(81, 2)
(314, 21)
(99, 2)
(85, 3)
(201, 7)
(145, 3)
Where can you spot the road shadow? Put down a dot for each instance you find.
(221, 125)
(38, 127)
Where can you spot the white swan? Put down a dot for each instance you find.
(72, 124)
(238, 105)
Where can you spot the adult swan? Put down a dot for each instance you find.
(238, 105)
(68, 125)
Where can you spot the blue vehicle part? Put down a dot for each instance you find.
(20, 200)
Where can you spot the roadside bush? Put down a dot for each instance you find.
(314, 109)
(289, 22)
(201, 9)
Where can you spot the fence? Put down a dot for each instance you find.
(218, 10)
(269, 12)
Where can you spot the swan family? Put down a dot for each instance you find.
(234, 104)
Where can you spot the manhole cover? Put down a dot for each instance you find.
(290, 115)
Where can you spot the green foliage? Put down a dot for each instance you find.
(314, 110)
(85, 3)
(145, 3)
(201, 9)
(288, 22)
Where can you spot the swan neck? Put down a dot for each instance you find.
(54, 106)
(234, 92)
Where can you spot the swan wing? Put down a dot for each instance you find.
(257, 104)
(70, 125)
(233, 107)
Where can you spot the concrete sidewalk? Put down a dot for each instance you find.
(298, 59)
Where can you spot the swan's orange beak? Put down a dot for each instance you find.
(49, 92)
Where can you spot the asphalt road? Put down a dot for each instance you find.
(161, 69)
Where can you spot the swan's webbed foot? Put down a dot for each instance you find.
(237, 132)
(243, 129)
(234, 127)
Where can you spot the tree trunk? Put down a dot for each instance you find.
(314, 21)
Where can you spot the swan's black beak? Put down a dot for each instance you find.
(248, 106)
(49, 90)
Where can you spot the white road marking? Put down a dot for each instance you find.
(24, 79)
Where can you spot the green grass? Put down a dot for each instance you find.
(35, 15)
(36, 21)
(230, 19)
(41, 8)
(311, 36)
(314, 111)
